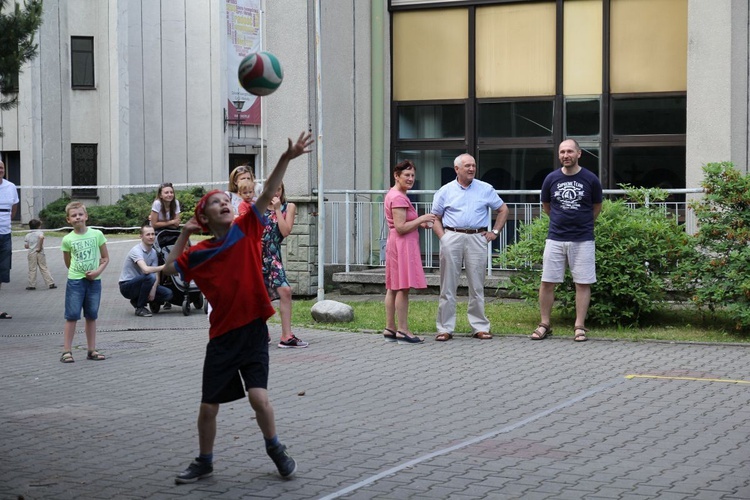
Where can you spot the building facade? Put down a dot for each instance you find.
(134, 93)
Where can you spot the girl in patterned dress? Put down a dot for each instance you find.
(280, 220)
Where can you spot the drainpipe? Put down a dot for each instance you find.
(377, 105)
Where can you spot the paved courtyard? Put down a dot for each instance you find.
(467, 419)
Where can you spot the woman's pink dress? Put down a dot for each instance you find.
(403, 259)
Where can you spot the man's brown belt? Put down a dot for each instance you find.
(465, 231)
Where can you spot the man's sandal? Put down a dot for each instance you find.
(580, 337)
(444, 337)
(95, 356)
(482, 335)
(67, 357)
(538, 334)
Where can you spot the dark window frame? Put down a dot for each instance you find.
(87, 80)
(79, 154)
(12, 84)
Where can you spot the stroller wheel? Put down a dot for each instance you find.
(186, 308)
(154, 306)
(198, 301)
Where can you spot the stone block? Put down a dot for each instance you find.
(331, 311)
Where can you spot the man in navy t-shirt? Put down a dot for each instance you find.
(572, 197)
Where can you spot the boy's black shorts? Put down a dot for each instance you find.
(240, 354)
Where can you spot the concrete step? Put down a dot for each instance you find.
(372, 281)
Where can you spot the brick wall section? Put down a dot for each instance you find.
(300, 249)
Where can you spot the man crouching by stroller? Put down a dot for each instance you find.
(228, 270)
(139, 279)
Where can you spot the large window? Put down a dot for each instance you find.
(82, 62)
(10, 84)
(649, 115)
(431, 122)
(507, 81)
(84, 166)
(514, 119)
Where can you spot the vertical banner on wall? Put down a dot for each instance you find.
(243, 38)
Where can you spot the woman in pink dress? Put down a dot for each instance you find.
(403, 258)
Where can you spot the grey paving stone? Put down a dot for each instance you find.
(124, 427)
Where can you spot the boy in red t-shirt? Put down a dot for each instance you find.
(228, 270)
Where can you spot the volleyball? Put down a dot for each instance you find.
(260, 73)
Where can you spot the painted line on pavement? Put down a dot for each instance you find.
(664, 377)
(472, 441)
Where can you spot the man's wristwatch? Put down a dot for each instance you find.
(495, 232)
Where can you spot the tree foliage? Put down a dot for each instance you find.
(17, 28)
(638, 247)
(717, 274)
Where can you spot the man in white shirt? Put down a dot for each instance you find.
(8, 208)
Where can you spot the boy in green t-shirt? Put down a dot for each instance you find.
(86, 256)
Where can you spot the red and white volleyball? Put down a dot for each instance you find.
(260, 73)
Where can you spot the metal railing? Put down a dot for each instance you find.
(357, 231)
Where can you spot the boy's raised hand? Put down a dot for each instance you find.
(301, 146)
(192, 226)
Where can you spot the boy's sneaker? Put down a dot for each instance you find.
(286, 464)
(196, 470)
(142, 311)
(292, 342)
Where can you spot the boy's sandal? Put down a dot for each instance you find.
(67, 357)
(580, 337)
(444, 337)
(95, 356)
(538, 334)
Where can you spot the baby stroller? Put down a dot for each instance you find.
(183, 294)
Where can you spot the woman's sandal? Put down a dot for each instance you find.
(444, 337)
(539, 334)
(580, 337)
(404, 338)
(67, 357)
(390, 336)
(95, 356)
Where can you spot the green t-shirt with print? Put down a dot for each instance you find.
(84, 252)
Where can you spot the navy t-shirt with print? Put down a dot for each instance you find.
(572, 199)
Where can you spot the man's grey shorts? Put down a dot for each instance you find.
(579, 255)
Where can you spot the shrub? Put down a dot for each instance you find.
(131, 210)
(717, 274)
(53, 215)
(637, 250)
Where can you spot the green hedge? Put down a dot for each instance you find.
(716, 276)
(638, 250)
(131, 210)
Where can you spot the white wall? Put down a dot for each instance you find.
(156, 112)
(717, 104)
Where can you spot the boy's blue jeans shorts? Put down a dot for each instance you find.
(82, 294)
